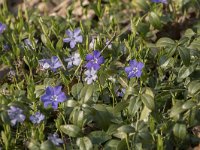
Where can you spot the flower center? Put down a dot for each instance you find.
(54, 98)
(135, 70)
(95, 60)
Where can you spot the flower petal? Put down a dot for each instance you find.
(69, 33)
(128, 69)
(96, 53)
(57, 90)
(72, 44)
(79, 39)
(100, 60)
(67, 40)
(89, 57)
(133, 63)
(77, 31)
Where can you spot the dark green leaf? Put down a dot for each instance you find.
(71, 130)
(98, 137)
(165, 42)
(84, 143)
(180, 130)
(185, 55)
(126, 129)
(148, 101)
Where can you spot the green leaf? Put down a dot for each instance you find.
(179, 130)
(34, 145)
(145, 114)
(126, 129)
(148, 101)
(142, 4)
(78, 117)
(99, 137)
(155, 20)
(134, 105)
(159, 142)
(76, 89)
(166, 62)
(189, 33)
(111, 144)
(59, 44)
(195, 44)
(120, 106)
(47, 145)
(86, 93)
(185, 55)
(194, 87)
(84, 143)
(165, 42)
(184, 71)
(176, 109)
(71, 130)
(70, 103)
(188, 104)
(102, 116)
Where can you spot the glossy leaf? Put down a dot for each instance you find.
(71, 130)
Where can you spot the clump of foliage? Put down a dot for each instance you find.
(127, 79)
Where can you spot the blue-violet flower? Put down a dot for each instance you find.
(53, 63)
(135, 69)
(73, 37)
(37, 118)
(2, 27)
(54, 138)
(73, 59)
(160, 1)
(91, 75)
(53, 96)
(15, 115)
(94, 60)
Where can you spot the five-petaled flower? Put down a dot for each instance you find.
(2, 27)
(53, 63)
(73, 37)
(135, 69)
(53, 96)
(15, 115)
(91, 75)
(37, 118)
(54, 138)
(73, 59)
(160, 1)
(94, 60)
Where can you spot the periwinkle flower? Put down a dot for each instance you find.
(53, 96)
(54, 138)
(73, 59)
(2, 27)
(73, 37)
(53, 63)
(6, 47)
(28, 43)
(160, 1)
(15, 115)
(135, 69)
(121, 92)
(45, 63)
(91, 75)
(37, 118)
(94, 60)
